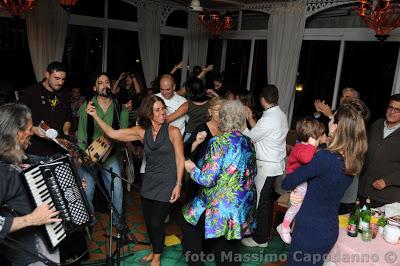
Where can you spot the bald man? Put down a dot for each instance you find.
(177, 106)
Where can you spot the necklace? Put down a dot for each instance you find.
(270, 107)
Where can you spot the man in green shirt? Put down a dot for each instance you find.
(89, 131)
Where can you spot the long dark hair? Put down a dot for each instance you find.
(146, 110)
(349, 138)
(13, 118)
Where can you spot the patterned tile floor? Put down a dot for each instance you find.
(172, 256)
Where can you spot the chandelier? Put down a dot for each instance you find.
(215, 23)
(68, 4)
(17, 7)
(380, 15)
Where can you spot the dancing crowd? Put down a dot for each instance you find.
(208, 149)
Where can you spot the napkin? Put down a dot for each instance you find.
(392, 209)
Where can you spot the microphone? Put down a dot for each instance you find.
(109, 92)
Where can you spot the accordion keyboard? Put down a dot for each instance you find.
(41, 195)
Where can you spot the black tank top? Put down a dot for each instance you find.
(160, 175)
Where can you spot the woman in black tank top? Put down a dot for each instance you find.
(162, 182)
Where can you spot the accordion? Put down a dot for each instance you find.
(56, 184)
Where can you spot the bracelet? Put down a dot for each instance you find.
(178, 184)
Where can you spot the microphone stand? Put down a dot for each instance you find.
(121, 226)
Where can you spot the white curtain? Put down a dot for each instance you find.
(197, 41)
(149, 17)
(46, 27)
(285, 35)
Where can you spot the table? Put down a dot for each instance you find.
(353, 251)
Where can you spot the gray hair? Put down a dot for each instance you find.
(357, 94)
(232, 116)
(13, 118)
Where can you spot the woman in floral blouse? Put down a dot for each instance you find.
(224, 208)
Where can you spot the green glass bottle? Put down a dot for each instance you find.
(352, 228)
(365, 216)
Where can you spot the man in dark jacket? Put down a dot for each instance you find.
(21, 240)
(380, 179)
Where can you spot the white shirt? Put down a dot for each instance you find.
(269, 135)
(172, 105)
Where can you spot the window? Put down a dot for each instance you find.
(253, 20)
(178, 18)
(214, 53)
(123, 53)
(237, 63)
(89, 8)
(171, 49)
(121, 10)
(259, 77)
(16, 69)
(83, 54)
(317, 73)
(369, 67)
(235, 17)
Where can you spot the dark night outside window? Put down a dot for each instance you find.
(15, 55)
(369, 67)
(89, 8)
(237, 63)
(178, 19)
(83, 55)
(121, 10)
(317, 72)
(171, 48)
(123, 53)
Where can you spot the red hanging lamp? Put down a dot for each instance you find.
(17, 7)
(382, 16)
(68, 5)
(215, 23)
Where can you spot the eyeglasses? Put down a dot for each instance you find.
(393, 109)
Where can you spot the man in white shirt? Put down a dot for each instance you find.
(269, 134)
(177, 106)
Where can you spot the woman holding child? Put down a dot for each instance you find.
(328, 175)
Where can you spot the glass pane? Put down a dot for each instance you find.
(89, 8)
(316, 72)
(178, 18)
(235, 17)
(214, 53)
(123, 53)
(237, 63)
(369, 67)
(253, 20)
(15, 57)
(83, 54)
(171, 49)
(259, 77)
(121, 10)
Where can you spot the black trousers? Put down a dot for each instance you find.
(223, 250)
(264, 211)
(155, 212)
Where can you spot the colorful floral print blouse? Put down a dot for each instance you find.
(228, 194)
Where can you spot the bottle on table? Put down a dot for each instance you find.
(373, 226)
(352, 228)
(365, 217)
(381, 224)
(366, 234)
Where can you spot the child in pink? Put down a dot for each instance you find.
(309, 131)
